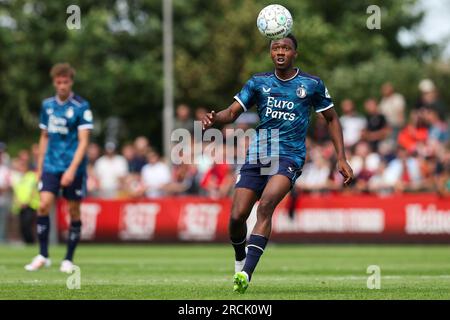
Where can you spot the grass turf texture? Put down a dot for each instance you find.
(206, 272)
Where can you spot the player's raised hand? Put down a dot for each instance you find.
(209, 120)
(346, 171)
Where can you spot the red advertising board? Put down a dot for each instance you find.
(333, 218)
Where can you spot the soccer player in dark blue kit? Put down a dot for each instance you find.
(284, 99)
(65, 123)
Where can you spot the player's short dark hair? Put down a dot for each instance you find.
(289, 36)
(62, 69)
(294, 40)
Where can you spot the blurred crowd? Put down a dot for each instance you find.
(391, 147)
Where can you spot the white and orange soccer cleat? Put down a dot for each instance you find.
(38, 262)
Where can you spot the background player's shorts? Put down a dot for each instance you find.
(51, 182)
(250, 176)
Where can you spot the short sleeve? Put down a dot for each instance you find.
(43, 118)
(246, 97)
(86, 119)
(321, 99)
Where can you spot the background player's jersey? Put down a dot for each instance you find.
(284, 105)
(62, 122)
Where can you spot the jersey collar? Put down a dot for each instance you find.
(285, 80)
(61, 103)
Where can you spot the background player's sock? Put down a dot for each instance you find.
(239, 247)
(43, 228)
(256, 246)
(74, 237)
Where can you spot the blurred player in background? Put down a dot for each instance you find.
(284, 99)
(65, 123)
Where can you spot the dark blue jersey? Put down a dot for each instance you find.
(284, 108)
(62, 120)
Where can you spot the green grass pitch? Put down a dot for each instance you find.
(206, 272)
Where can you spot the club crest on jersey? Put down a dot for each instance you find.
(69, 113)
(301, 92)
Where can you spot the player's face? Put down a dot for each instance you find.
(283, 53)
(63, 85)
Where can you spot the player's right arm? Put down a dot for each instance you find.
(225, 116)
(43, 140)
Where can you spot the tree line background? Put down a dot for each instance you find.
(118, 56)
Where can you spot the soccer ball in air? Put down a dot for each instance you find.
(274, 22)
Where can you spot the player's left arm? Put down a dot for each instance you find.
(85, 124)
(335, 129)
(83, 142)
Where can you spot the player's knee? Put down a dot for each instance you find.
(237, 220)
(266, 207)
(238, 213)
(44, 209)
(74, 210)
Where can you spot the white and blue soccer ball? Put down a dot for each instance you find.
(275, 22)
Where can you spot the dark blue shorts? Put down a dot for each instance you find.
(252, 177)
(51, 182)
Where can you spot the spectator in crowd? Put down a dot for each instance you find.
(129, 153)
(183, 180)
(155, 175)
(431, 169)
(438, 131)
(377, 127)
(219, 179)
(110, 169)
(403, 173)
(413, 134)
(365, 164)
(26, 199)
(183, 118)
(92, 182)
(315, 174)
(429, 98)
(200, 113)
(378, 182)
(387, 150)
(93, 153)
(443, 180)
(392, 106)
(34, 151)
(132, 187)
(5, 183)
(24, 155)
(352, 123)
(141, 149)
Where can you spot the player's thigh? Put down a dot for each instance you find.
(76, 190)
(243, 201)
(276, 189)
(49, 187)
